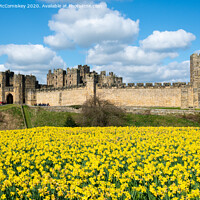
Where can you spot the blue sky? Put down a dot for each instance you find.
(141, 40)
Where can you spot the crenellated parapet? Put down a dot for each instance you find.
(45, 88)
(146, 85)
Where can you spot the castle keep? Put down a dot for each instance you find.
(75, 86)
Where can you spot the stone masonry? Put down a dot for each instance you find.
(74, 86)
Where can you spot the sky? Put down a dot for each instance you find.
(140, 40)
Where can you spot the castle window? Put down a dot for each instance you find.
(0, 85)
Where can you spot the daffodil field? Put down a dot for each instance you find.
(100, 163)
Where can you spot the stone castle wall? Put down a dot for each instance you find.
(75, 86)
(60, 97)
(147, 96)
(64, 96)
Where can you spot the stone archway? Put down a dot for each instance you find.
(9, 99)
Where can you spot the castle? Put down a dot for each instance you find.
(74, 86)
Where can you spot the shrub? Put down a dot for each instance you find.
(98, 112)
(70, 122)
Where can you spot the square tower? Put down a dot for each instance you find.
(195, 78)
(195, 69)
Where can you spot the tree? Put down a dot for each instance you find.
(99, 112)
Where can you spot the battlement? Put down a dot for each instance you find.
(58, 71)
(146, 85)
(195, 55)
(45, 88)
(72, 70)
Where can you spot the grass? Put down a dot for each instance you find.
(41, 117)
(13, 109)
(37, 117)
(9, 106)
(156, 121)
(14, 115)
(27, 115)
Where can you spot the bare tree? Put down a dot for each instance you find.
(98, 112)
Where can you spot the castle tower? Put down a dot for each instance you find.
(19, 89)
(195, 78)
(59, 75)
(57, 78)
(91, 85)
(195, 69)
(72, 77)
(30, 86)
(84, 71)
(49, 78)
(2, 86)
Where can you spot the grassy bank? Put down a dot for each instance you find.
(38, 117)
(11, 117)
(42, 117)
(166, 121)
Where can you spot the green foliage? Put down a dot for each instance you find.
(70, 122)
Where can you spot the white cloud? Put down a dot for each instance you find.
(144, 63)
(168, 40)
(2, 68)
(198, 51)
(35, 59)
(85, 25)
(128, 55)
(173, 72)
